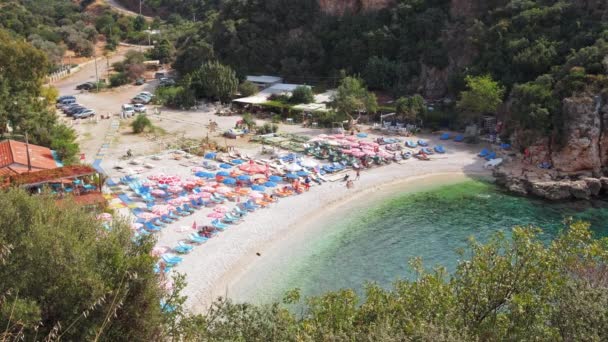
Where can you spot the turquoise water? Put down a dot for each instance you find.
(376, 243)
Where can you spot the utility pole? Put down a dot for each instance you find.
(139, 7)
(96, 74)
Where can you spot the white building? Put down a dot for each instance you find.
(263, 81)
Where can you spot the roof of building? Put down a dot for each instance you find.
(275, 89)
(264, 79)
(55, 175)
(14, 157)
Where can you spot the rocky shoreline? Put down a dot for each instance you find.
(581, 188)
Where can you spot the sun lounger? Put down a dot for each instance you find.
(159, 223)
(171, 259)
(188, 208)
(183, 248)
(167, 219)
(239, 212)
(445, 136)
(484, 153)
(411, 144)
(182, 212)
(491, 156)
(459, 138)
(439, 149)
(151, 227)
(217, 224)
(423, 143)
(195, 238)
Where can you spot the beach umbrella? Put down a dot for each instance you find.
(197, 169)
(362, 135)
(303, 173)
(256, 195)
(237, 161)
(309, 163)
(175, 189)
(225, 166)
(274, 178)
(210, 155)
(148, 216)
(243, 177)
(208, 188)
(204, 174)
(258, 188)
(230, 181)
(162, 209)
(291, 176)
(223, 174)
(270, 184)
(222, 190)
(293, 167)
(205, 195)
(252, 167)
(221, 209)
(215, 214)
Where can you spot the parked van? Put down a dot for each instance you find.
(127, 111)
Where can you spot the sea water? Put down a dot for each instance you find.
(374, 242)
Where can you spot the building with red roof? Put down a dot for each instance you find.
(14, 158)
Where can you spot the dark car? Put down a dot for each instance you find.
(75, 110)
(165, 82)
(140, 81)
(85, 86)
(65, 97)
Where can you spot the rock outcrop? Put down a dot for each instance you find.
(340, 7)
(582, 131)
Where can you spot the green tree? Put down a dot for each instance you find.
(63, 141)
(302, 94)
(352, 97)
(248, 88)
(483, 96)
(66, 277)
(216, 81)
(118, 79)
(163, 51)
(409, 108)
(533, 105)
(139, 23)
(141, 123)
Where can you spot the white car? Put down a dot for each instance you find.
(146, 93)
(127, 110)
(140, 108)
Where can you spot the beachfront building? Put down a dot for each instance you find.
(17, 158)
(264, 95)
(263, 81)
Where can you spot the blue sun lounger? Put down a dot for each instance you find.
(219, 225)
(411, 144)
(195, 238)
(445, 136)
(439, 149)
(484, 153)
(151, 227)
(491, 156)
(423, 143)
(459, 138)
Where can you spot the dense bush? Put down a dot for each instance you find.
(302, 94)
(119, 79)
(248, 88)
(141, 123)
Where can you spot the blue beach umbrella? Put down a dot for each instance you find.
(292, 176)
(225, 166)
(230, 181)
(270, 184)
(238, 161)
(223, 174)
(274, 178)
(210, 155)
(204, 174)
(258, 188)
(243, 177)
(362, 135)
(303, 173)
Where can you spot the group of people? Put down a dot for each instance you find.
(349, 182)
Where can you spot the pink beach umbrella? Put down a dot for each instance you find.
(215, 214)
(221, 209)
(175, 189)
(157, 192)
(256, 195)
(222, 190)
(358, 154)
(198, 169)
(208, 188)
(148, 216)
(162, 209)
(205, 194)
(176, 201)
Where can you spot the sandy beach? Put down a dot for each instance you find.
(213, 268)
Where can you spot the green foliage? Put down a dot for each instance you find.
(162, 51)
(249, 121)
(141, 123)
(248, 89)
(533, 104)
(517, 288)
(63, 142)
(409, 108)
(66, 277)
(302, 94)
(119, 79)
(175, 97)
(216, 81)
(352, 97)
(483, 96)
(268, 128)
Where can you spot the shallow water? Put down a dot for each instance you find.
(376, 241)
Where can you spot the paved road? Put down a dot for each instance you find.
(122, 9)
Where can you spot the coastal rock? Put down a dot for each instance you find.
(580, 190)
(517, 187)
(433, 82)
(581, 150)
(551, 190)
(604, 181)
(604, 135)
(594, 185)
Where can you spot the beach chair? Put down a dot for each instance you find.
(172, 216)
(172, 260)
(159, 223)
(219, 225)
(445, 136)
(151, 227)
(491, 156)
(423, 143)
(195, 204)
(195, 238)
(427, 150)
(182, 212)
(439, 149)
(239, 212)
(459, 138)
(230, 220)
(167, 219)
(484, 153)
(188, 208)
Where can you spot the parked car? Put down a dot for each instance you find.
(127, 110)
(85, 86)
(141, 99)
(75, 111)
(165, 82)
(140, 81)
(140, 108)
(146, 93)
(84, 114)
(67, 107)
(65, 102)
(65, 97)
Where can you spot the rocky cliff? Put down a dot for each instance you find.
(340, 7)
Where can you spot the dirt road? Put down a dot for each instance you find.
(122, 9)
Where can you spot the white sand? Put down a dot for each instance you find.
(213, 267)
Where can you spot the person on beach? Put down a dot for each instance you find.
(358, 174)
(345, 178)
(307, 183)
(350, 184)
